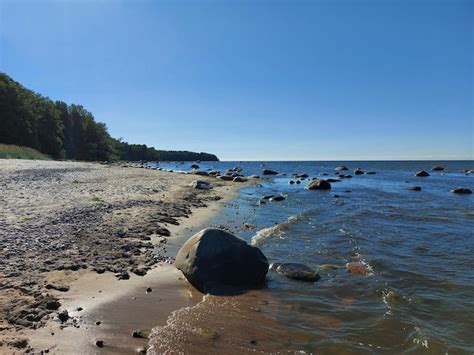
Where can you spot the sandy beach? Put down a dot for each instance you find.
(84, 256)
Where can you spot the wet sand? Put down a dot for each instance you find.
(89, 239)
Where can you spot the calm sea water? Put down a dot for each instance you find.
(419, 296)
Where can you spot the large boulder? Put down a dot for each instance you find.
(318, 184)
(358, 171)
(214, 259)
(269, 172)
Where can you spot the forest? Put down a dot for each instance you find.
(68, 131)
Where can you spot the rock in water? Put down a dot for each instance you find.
(357, 268)
(414, 188)
(213, 258)
(298, 272)
(194, 166)
(277, 198)
(201, 185)
(358, 172)
(269, 172)
(437, 168)
(462, 190)
(422, 173)
(318, 184)
(341, 167)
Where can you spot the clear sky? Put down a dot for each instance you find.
(257, 80)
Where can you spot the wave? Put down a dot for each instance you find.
(278, 230)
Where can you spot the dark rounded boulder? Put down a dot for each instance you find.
(341, 167)
(194, 166)
(318, 184)
(437, 168)
(213, 259)
(422, 173)
(358, 172)
(414, 188)
(462, 190)
(297, 272)
(269, 172)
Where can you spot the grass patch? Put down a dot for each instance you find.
(97, 199)
(10, 151)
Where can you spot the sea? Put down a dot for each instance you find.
(417, 246)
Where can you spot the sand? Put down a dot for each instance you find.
(90, 239)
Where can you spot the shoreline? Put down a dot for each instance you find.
(121, 306)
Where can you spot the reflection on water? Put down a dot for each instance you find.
(419, 296)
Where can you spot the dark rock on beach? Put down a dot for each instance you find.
(318, 184)
(201, 185)
(239, 179)
(298, 272)
(214, 258)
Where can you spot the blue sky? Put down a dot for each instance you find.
(257, 80)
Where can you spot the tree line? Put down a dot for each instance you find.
(65, 131)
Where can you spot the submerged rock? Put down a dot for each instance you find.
(269, 172)
(341, 167)
(214, 258)
(462, 190)
(297, 272)
(414, 188)
(201, 185)
(370, 173)
(422, 173)
(318, 184)
(357, 268)
(358, 172)
(437, 168)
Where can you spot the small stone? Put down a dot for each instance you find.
(99, 343)
(148, 290)
(98, 322)
(137, 333)
(63, 316)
